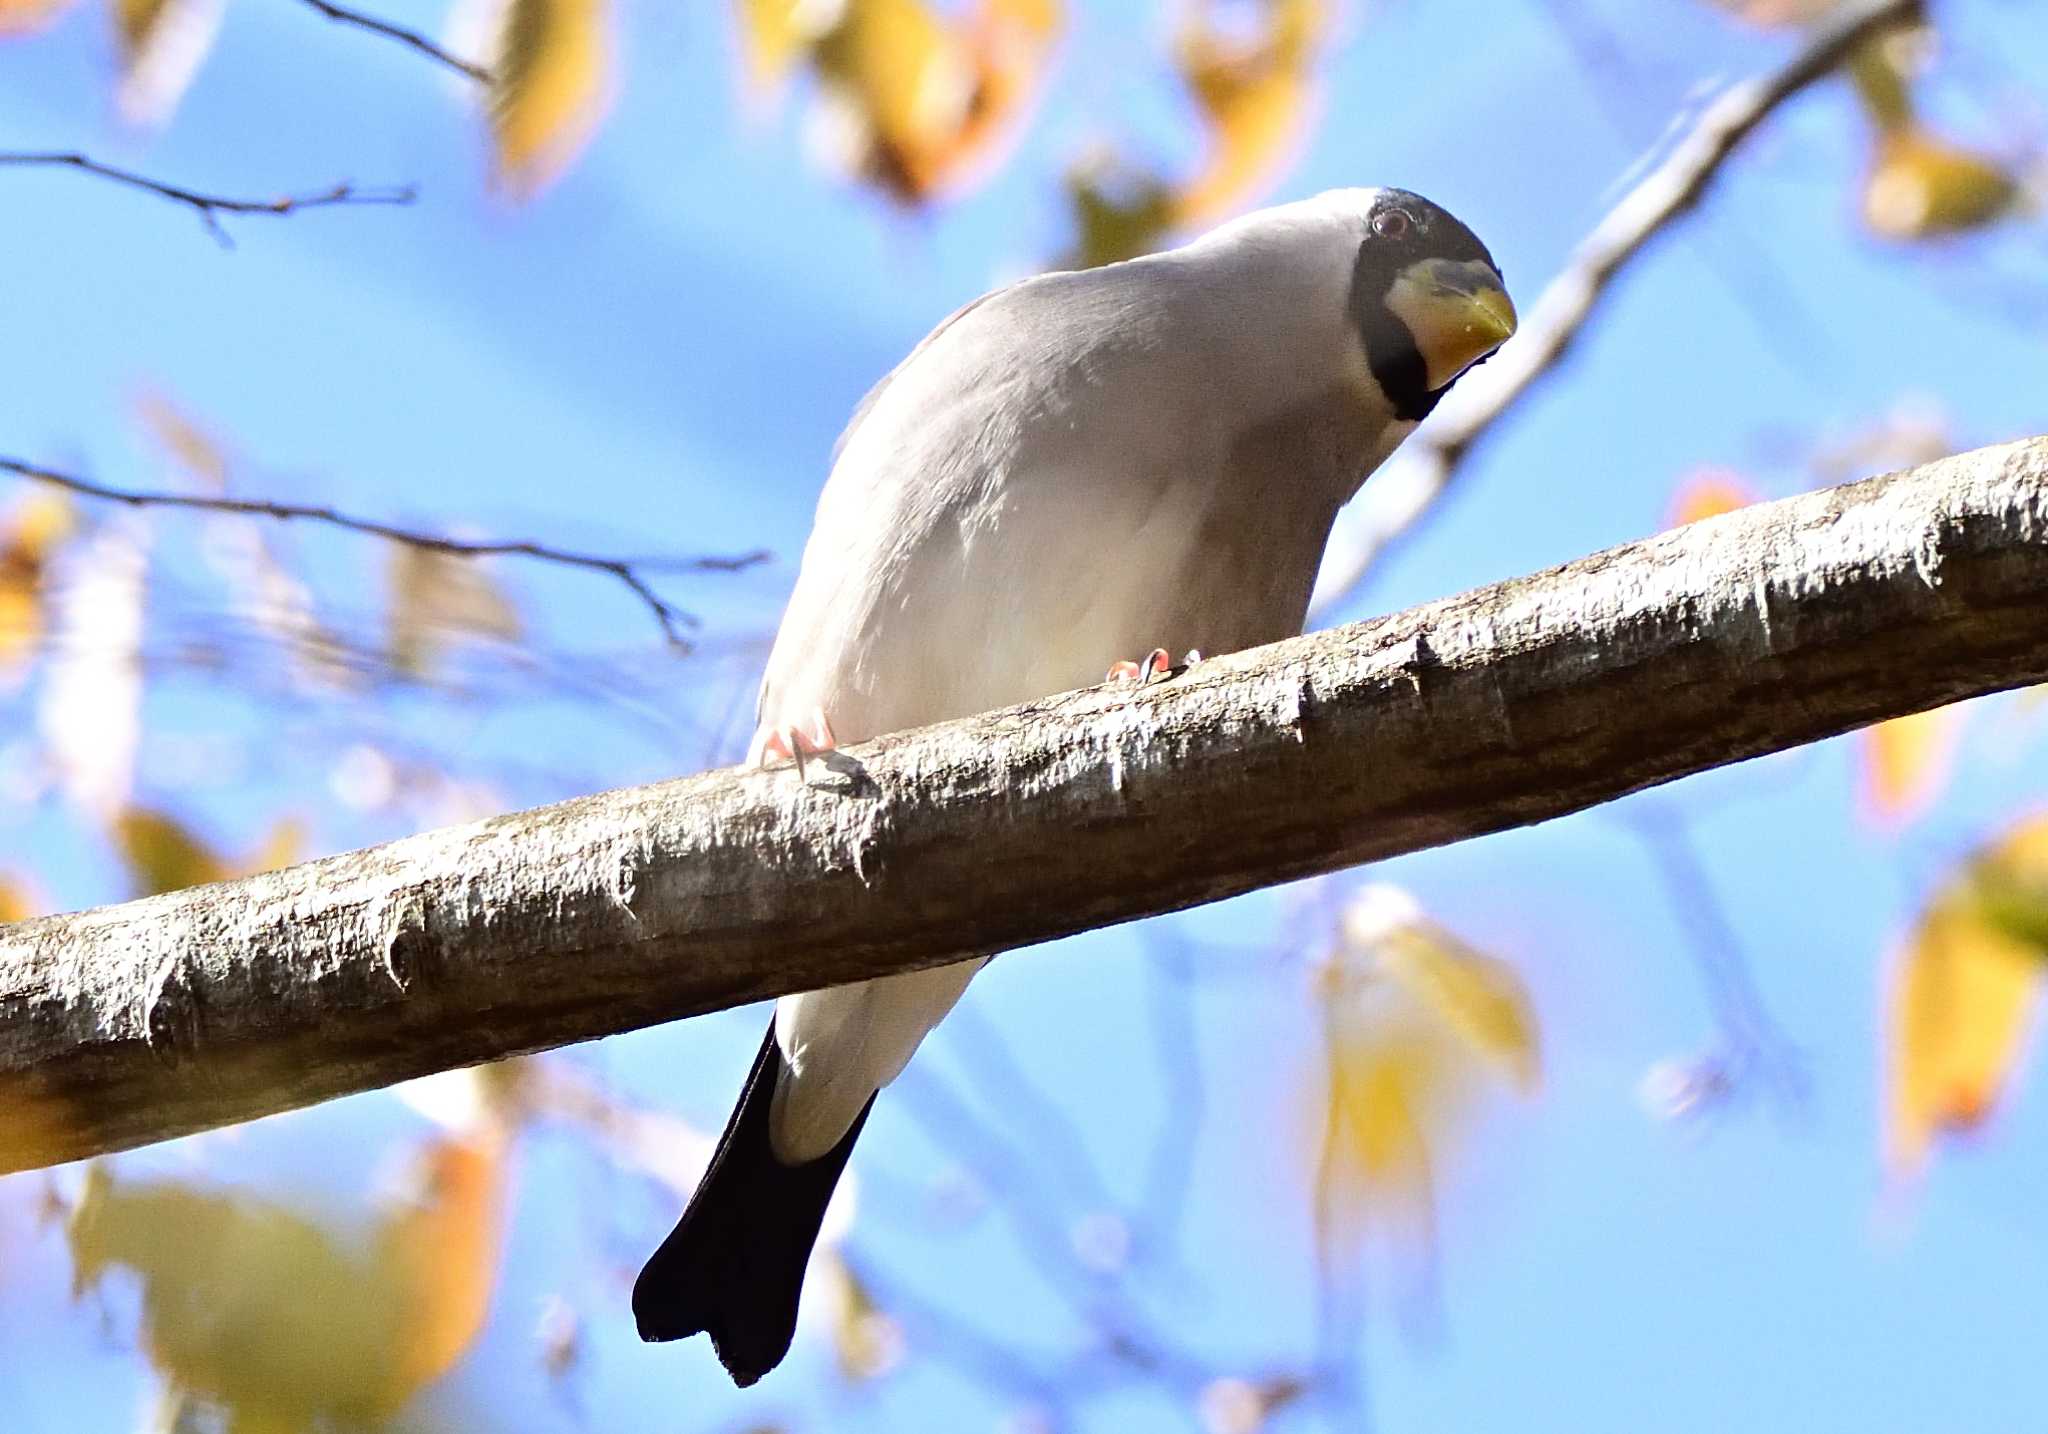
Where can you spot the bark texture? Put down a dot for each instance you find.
(1727, 639)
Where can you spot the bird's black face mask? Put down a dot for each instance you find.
(1427, 300)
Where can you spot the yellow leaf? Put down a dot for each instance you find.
(1480, 998)
(1253, 94)
(253, 1307)
(1708, 492)
(1906, 763)
(1117, 215)
(1922, 187)
(29, 536)
(774, 33)
(435, 598)
(199, 452)
(162, 44)
(25, 17)
(1964, 994)
(866, 1342)
(163, 854)
(914, 100)
(552, 65)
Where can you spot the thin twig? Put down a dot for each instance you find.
(667, 614)
(411, 38)
(209, 207)
(1409, 485)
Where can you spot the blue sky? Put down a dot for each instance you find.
(657, 356)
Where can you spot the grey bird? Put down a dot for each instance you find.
(1067, 472)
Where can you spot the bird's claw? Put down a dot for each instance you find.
(793, 741)
(1156, 665)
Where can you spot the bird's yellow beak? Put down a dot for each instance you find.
(1456, 311)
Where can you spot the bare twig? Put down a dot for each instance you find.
(411, 38)
(1411, 482)
(210, 207)
(671, 618)
(1765, 628)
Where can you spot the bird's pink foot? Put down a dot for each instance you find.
(1157, 663)
(793, 741)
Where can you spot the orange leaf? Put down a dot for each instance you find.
(1253, 95)
(774, 33)
(1964, 993)
(552, 65)
(1708, 492)
(17, 902)
(24, 17)
(1906, 763)
(440, 1254)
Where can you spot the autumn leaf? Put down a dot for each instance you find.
(866, 1341)
(17, 901)
(163, 854)
(551, 67)
(1708, 492)
(1411, 1015)
(1923, 187)
(913, 100)
(1118, 214)
(253, 1307)
(29, 535)
(435, 599)
(1906, 763)
(1964, 993)
(1253, 94)
(775, 34)
(25, 17)
(161, 45)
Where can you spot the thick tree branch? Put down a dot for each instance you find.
(627, 571)
(412, 39)
(210, 207)
(1409, 483)
(1741, 635)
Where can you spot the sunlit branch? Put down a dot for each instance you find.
(671, 618)
(1762, 629)
(210, 207)
(1409, 484)
(413, 39)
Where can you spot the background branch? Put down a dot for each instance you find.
(209, 207)
(1410, 482)
(1758, 630)
(411, 38)
(671, 618)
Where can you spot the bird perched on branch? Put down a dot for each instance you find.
(1066, 473)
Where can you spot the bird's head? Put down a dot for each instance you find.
(1426, 298)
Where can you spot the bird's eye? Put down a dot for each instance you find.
(1392, 223)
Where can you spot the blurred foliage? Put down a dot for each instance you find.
(1965, 993)
(1411, 1016)
(551, 62)
(29, 534)
(272, 1318)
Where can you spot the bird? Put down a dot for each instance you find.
(1080, 466)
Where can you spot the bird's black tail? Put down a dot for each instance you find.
(734, 1264)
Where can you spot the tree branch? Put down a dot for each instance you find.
(1744, 634)
(1411, 482)
(209, 207)
(411, 38)
(671, 618)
